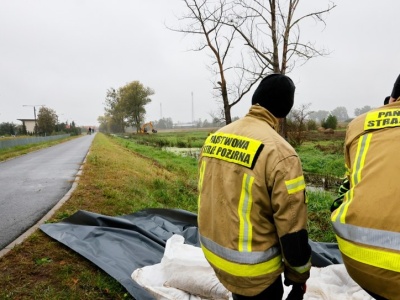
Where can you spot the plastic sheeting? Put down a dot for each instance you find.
(119, 245)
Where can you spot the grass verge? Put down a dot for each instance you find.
(115, 181)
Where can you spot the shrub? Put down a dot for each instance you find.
(330, 122)
(311, 125)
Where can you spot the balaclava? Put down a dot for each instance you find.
(276, 94)
(396, 89)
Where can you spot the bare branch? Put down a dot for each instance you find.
(248, 39)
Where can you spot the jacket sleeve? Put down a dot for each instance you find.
(289, 206)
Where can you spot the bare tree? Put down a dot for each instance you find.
(206, 19)
(297, 124)
(271, 29)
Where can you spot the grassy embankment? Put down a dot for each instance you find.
(122, 176)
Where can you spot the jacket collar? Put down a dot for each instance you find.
(259, 112)
(394, 104)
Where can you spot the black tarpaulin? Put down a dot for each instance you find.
(119, 245)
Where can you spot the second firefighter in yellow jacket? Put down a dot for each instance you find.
(367, 223)
(252, 205)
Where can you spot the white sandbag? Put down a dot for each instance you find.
(184, 274)
(189, 271)
(333, 283)
(152, 279)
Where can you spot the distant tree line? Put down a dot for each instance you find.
(126, 107)
(46, 124)
(301, 119)
(339, 112)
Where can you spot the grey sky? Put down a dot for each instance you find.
(65, 54)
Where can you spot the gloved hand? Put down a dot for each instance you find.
(335, 204)
(344, 187)
(298, 290)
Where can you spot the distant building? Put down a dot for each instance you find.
(184, 125)
(29, 124)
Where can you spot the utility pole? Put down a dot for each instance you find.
(34, 113)
(192, 111)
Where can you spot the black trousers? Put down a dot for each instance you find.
(273, 292)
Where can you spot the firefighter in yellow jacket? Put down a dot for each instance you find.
(252, 206)
(367, 223)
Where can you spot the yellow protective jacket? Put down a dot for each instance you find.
(251, 194)
(367, 224)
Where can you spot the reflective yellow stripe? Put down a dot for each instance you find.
(346, 199)
(244, 210)
(362, 150)
(336, 212)
(358, 165)
(373, 257)
(243, 270)
(200, 184)
(295, 185)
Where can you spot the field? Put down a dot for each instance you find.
(123, 174)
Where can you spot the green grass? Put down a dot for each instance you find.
(319, 224)
(322, 158)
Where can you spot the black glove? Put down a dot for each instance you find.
(298, 290)
(344, 187)
(336, 203)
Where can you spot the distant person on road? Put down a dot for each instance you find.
(90, 130)
(252, 209)
(367, 223)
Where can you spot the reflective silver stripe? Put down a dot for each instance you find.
(367, 236)
(295, 185)
(302, 269)
(254, 257)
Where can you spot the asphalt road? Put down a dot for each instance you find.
(32, 184)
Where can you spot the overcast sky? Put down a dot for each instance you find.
(65, 54)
